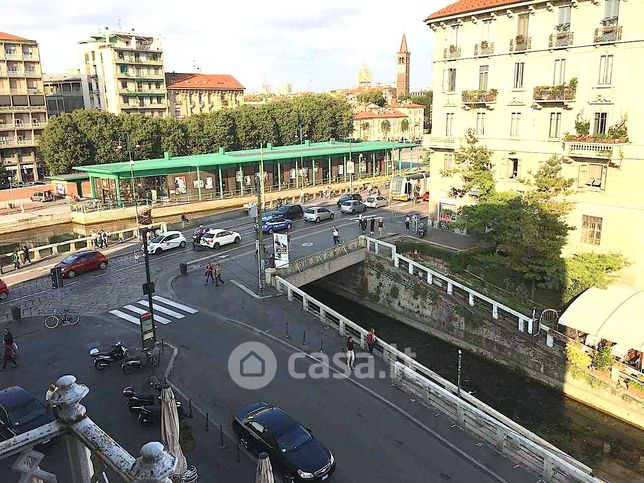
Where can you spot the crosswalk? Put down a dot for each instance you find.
(165, 310)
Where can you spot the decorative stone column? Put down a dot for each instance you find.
(154, 465)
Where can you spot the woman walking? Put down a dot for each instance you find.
(351, 354)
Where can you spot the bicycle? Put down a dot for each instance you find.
(68, 317)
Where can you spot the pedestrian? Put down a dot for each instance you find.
(94, 239)
(22, 207)
(99, 238)
(363, 225)
(218, 275)
(336, 236)
(351, 353)
(104, 239)
(371, 340)
(10, 351)
(25, 255)
(51, 389)
(372, 226)
(407, 222)
(8, 337)
(381, 226)
(15, 258)
(184, 218)
(208, 274)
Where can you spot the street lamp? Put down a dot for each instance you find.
(300, 130)
(261, 249)
(458, 376)
(11, 190)
(129, 153)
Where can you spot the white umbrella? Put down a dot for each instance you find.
(170, 429)
(264, 469)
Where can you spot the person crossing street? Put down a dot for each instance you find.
(208, 274)
(218, 278)
(336, 236)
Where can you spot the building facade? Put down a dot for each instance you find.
(63, 92)
(190, 94)
(397, 121)
(23, 113)
(534, 79)
(402, 69)
(122, 72)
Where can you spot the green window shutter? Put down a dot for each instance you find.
(124, 69)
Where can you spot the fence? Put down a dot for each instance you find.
(316, 259)
(517, 441)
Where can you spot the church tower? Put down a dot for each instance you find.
(402, 69)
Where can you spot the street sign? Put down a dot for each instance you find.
(252, 211)
(350, 167)
(147, 330)
(148, 288)
(280, 249)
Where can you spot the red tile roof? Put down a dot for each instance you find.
(203, 81)
(6, 36)
(359, 116)
(466, 6)
(408, 106)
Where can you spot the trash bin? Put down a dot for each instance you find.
(183, 268)
(16, 313)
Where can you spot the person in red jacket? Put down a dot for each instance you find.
(209, 275)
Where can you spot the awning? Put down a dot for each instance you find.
(615, 314)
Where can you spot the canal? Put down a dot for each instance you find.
(614, 449)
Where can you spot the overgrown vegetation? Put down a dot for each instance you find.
(603, 358)
(585, 270)
(372, 97)
(577, 356)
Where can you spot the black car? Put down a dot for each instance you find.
(291, 212)
(348, 197)
(293, 450)
(20, 412)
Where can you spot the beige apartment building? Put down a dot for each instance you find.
(63, 92)
(23, 113)
(534, 79)
(190, 94)
(122, 72)
(405, 121)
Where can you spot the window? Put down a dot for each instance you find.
(611, 11)
(564, 19)
(486, 30)
(591, 229)
(605, 70)
(453, 35)
(559, 75)
(124, 84)
(522, 25)
(449, 122)
(513, 168)
(592, 176)
(449, 80)
(515, 120)
(555, 125)
(519, 68)
(449, 161)
(480, 123)
(483, 75)
(601, 119)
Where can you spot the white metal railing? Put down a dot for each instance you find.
(392, 354)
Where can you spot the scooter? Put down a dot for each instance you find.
(145, 359)
(421, 230)
(134, 399)
(148, 415)
(104, 359)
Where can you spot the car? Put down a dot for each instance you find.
(83, 261)
(318, 213)
(348, 197)
(291, 212)
(294, 452)
(4, 291)
(277, 224)
(353, 206)
(42, 196)
(215, 238)
(426, 196)
(166, 241)
(20, 412)
(376, 201)
(36, 183)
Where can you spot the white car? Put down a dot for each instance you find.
(318, 213)
(376, 201)
(166, 241)
(215, 238)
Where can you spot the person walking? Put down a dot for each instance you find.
(363, 225)
(9, 354)
(371, 340)
(351, 353)
(218, 275)
(372, 226)
(15, 258)
(336, 236)
(99, 238)
(8, 337)
(94, 239)
(25, 255)
(208, 274)
(381, 226)
(104, 239)
(407, 222)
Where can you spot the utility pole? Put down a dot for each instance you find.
(458, 376)
(260, 233)
(148, 287)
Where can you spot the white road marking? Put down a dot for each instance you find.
(163, 310)
(139, 310)
(249, 291)
(125, 316)
(177, 305)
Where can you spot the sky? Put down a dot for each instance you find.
(315, 47)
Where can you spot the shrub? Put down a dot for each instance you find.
(577, 356)
(394, 291)
(603, 358)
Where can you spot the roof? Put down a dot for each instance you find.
(65, 77)
(397, 105)
(614, 314)
(204, 81)
(466, 6)
(179, 164)
(6, 36)
(69, 177)
(378, 115)
(403, 45)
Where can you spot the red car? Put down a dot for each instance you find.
(4, 291)
(80, 262)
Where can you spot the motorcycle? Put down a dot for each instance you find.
(146, 358)
(103, 359)
(421, 230)
(134, 399)
(196, 236)
(148, 415)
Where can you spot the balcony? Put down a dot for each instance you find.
(560, 40)
(15, 73)
(484, 48)
(479, 97)
(452, 52)
(608, 34)
(7, 126)
(591, 147)
(557, 94)
(520, 43)
(442, 142)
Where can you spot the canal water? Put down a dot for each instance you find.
(575, 428)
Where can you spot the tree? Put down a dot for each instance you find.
(385, 126)
(473, 164)
(364, 126)
(425, 100)
(372, 97)
(426, 159)
(62, 145)
(549, 186)
(404, 125)
(585, 270)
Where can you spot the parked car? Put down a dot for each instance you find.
(84, 261)
(4, 291)
(42, 196)
(215, 238)
(318, 213)
(353, 206)
(20, 412)
(376, 201)
(277, 224)
(291, 212)
(166, 241)
(294, 452)
(348, 197)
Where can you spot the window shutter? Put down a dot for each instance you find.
(444, 80)
(508, 168)
(604, 174)
(583, 176)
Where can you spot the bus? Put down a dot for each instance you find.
(406, 187)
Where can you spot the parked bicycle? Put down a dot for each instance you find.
(147, 357)
(66, 316)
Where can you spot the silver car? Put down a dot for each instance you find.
(353, 206)
(317, 214)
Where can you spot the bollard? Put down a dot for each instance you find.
(162, 346)
(238, 454)
(304, 339)
(190, 407)
(321, 346)
(183, 269)
(206, 421)
(221, 436)
(287, 335)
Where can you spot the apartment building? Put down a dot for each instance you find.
(23, 113)
(400, 121)
(122, 72)
(535, 79)
(190, 94)
(63, 92)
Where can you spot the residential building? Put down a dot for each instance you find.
(122, 72)
(23, 113)
(285, 89)
(402, 69)
(535, 79)
(63, 92)
(190, 94)
(365, 76)
(397, 122)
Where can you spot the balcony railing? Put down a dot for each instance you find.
(479, 97)
(484, 48)
(15, 73)
(7, 126)
(608, 33)
(452, 52)
(560, 40)
(556, 93)
(520, 43)
(600, 148)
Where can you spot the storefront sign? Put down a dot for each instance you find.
(180, 186)
(350, 167)
(280, 249)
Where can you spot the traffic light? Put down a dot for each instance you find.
(56, 274)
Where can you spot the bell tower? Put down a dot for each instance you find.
(402, 69)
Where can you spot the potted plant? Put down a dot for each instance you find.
(484, 44)
(452, 49)
(520, 39)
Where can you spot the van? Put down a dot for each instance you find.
(42, 196)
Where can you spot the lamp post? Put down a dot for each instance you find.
(458, 376)
(148, 287)
(129, 153)
(260, 233)
(352, 168)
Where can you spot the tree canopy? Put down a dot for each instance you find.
(426, 100)
(473, 163)
(372, 97)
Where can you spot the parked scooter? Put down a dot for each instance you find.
(134, 399)
(103, 359)
(422, 228)
(146, 358)
(148, 415)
